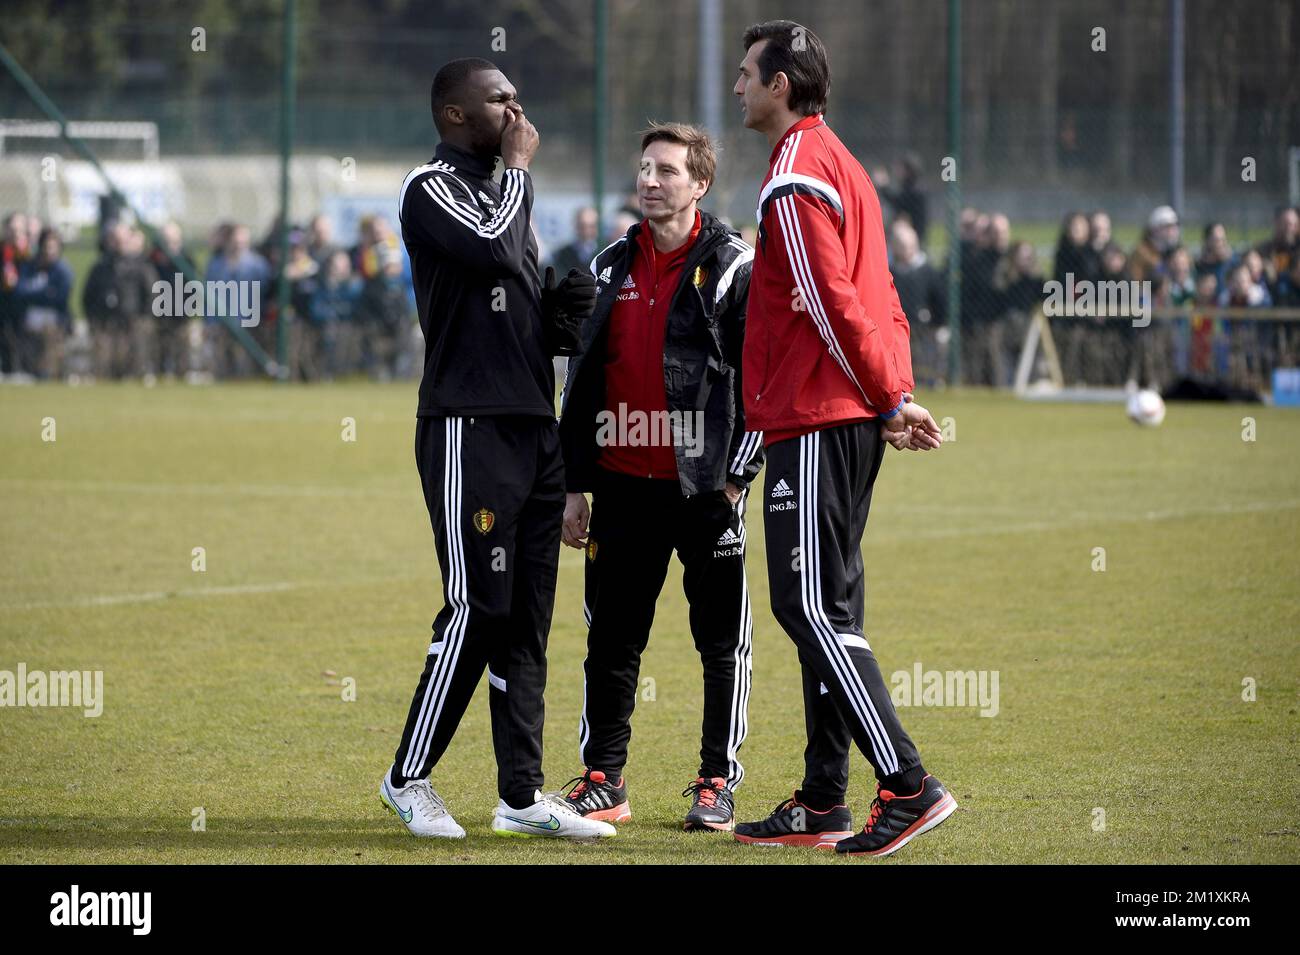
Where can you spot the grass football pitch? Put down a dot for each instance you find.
(1146, 712)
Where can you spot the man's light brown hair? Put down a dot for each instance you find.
(701, 157)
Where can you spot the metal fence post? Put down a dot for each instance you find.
(287, 108)
(954, 192)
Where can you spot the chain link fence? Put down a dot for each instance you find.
(1063, 168)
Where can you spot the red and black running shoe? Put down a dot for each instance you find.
(794, 824)
(594, 796)
(897, 820)
(712, 808)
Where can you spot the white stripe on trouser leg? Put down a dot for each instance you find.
(744, 681)
(883, 745)
(809, 570)
(810, 581)
(584, 728)
(853, 640)
(496, 681)
(880, 737)
(743, 658)
(440, 677)
(410, 766)
(435, 691)
(744, 496)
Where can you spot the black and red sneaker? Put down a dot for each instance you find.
(712, 808)
(897, 820)
(594, 796)
(794, 824)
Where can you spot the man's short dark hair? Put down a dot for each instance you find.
(797, 52)
(449, 82)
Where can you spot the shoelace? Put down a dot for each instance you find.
(580, 785)
(429, 802)
(705, 792)
(559, 804)
(877, 810)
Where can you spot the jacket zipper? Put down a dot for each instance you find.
(701, 252)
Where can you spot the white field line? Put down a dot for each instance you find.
(109, 600)
(149, 596)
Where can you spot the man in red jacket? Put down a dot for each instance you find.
(827, 377)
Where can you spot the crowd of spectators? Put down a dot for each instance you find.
(35, 285)
(1215, 277)
(352, 306)
(1004, 281)
(354, 310)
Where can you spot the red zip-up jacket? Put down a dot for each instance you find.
(826, 341)
(634, 351)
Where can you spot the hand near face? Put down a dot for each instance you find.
(520, 140)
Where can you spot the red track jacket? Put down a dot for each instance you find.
(826, 341)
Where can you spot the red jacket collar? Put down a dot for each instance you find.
(647, 240)
(808, 122)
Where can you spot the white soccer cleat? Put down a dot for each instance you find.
(550, 817)
(421, 809)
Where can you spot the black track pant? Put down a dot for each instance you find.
(815, 504)
(636, 524)
(494, 487)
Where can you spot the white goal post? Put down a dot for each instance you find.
(145, 133)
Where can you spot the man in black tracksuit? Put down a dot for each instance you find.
(487, 448)
(653, 426)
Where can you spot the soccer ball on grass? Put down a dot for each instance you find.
(1146, 408)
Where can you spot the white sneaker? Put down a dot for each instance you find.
(421, 809)
(549, 817)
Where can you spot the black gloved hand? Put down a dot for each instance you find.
(565, 306)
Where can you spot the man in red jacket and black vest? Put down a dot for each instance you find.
(827, 377)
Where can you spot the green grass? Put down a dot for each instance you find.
(1119, 690)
